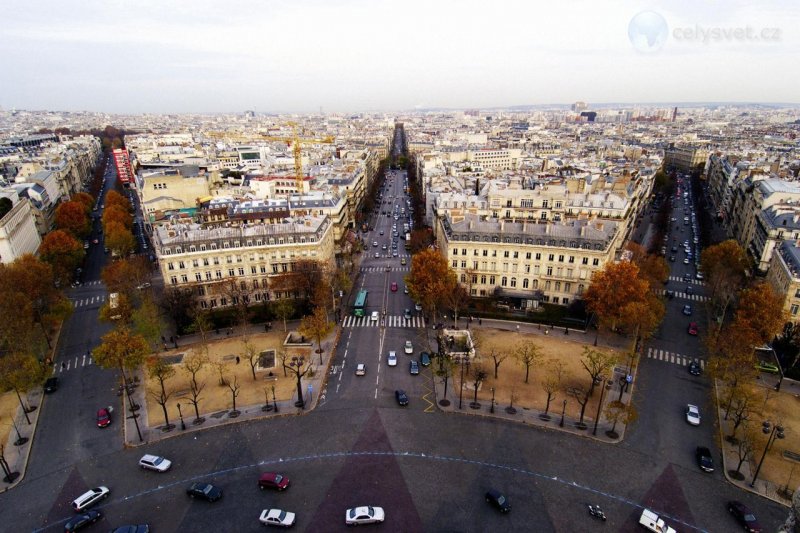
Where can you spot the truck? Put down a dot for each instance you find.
(652, 522)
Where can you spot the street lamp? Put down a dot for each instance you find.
(297, 364)
(20, 439)
(563, 410)
(491, 409)
(775, 432)
(600, 403)
(180, 414)
(274, 403)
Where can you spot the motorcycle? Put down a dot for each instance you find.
(596, 512)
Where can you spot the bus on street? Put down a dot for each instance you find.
(359, 307)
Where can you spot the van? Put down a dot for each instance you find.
(89, 498)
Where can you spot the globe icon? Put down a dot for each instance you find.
(648, 31)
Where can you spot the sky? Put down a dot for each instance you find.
(202, 56)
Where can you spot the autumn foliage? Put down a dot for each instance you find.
(613, 290)
(430, 281)
(63, 252)
(73, 218)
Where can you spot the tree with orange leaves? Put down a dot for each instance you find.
(73, 218)
(613, 289)
(63, 252)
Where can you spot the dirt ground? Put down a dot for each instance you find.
(215, 397)
(8, 408)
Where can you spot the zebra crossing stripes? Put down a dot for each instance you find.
(672, 357)
(383, 269)
(685, 296)
(86, 302)
(392, 321)
(690, 280)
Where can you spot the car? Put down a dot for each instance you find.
(143, 286)
(699, 275)
(82, 520)
(394, 286)
(51, 385)
(155, 462)
(704, 459)
(408, 348)
(744, 516)
(689, 289)
(86, 245)
(672, 258)
(413, 368)
(391, 359)
(377, 255)
(498, 500)
(401, 397)
(361, 369)
(374, 316)
(106, 250)
(383, 248)
(402, 260)
(95, 241)
(685, 260)
(405, 290)
(674, 248)
(770, 368)
(424, 359)
(687, 310)
(141, 528)
(207, 491)
(692, 414)
(694, 368)
(375, 244)
(277, 517)
(364, 515)
(273, 480)
(104, 417)
(407, 314)
(417, 307)
(381, 232)
(692, 328)
(89, 498)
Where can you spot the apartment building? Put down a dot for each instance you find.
(221, 264)
(170, 190)
(684, 158)
(525, 263)
(18, 234)
(784, 276)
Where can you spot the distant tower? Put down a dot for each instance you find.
(674, 113)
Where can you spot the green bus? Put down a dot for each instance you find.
(361, 303)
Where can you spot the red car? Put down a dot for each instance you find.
(394, 286)
(104, 417)
(692, 328)
(271, 480)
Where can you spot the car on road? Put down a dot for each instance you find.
(207, 491)
(693, 414)
(364, 515)
(377, 255)
(374, 316)
(407, 314)
(374, 244)
(405, 290)
(402, 260)
(770, 368)
(383, 248)
(82, 520)
(417, 307)
(694, 368)
(704, 459)
(51, 385)
(155, 462)
(692, 328)
(498, 500)
(394, 286)
(744, 516)
(103, 417)
(391, 359)
(361, 369)
(277, 517)
(141, 528)
(408, 348)
(413, 368)
(401, 397)
(89, 498)
(273, 480)
(687, 310)
(424, 359)
(381, 232)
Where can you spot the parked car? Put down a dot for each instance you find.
(82, 520)
(770, 368)
(498, 500)
(89, 498)
(744, 516)
(51, 385)
(361, 369)
(207, 491)
(692, 328)
(364, 515)
(402, 260)
(401, 397)
(273, 480)
(693, 414)
(155, 462)
(687, 310)
(413, 368)
(277, 517)
(104, 417)
(391, 359)
(704, 459)
(424, 359)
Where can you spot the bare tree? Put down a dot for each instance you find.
(192, 365)
(235, 390)
(221, 368)
(527, 354)
(745, 447)
(617, 412)
(285, 357)
(552, 380)
(581, 396)
(251, 355)
(161, 371)
(478, 377)
(283, 309)
(498, 356)
(740, 410)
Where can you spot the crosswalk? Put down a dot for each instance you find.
(685, 296)
(90, 301)
(91, 283)
(690, 280)
(392, 321)
(72, 363)
(383, 269)
(672, 357)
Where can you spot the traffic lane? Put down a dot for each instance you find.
(348, 390)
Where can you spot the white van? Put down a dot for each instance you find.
(89, 498)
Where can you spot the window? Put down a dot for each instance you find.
(195, 263)
(525, 283)
(572, 259)
(567, 287)
(513, 282)
(198, 276)
(544, 204)
(205, 261)
(173, 280)
(483, 280)
(527, 255)
(491, 280)
(560, 258)
(505, 254)
(241, 271)
(184, 278)
(208, 275)
(455, 251)
(485, 253)
(595, 262)
(543, 216)
(549, 271)
(504, 281)
(231, 272)
(218, 273)
(463, 264)
(551, 257)
(455, 263)
(585, 261)
(558, 286)
(170, 266)
(538, 257)
(516, 255)
(794, 309)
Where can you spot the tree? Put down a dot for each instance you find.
(235, 390)
(119, 239)
(316, 326)
(193, 364)
(305, 276)
(596, 363)
(73, 218)
(614, 288)
(724, 267)
(180, 306)
(283, 309)
(652, 268)
(581, 396)
(527, 354)
(63, 252)
(222, 368)
(125, 275)
(498, 356)
(552, 380)
(17, 326)
(20, 372)
(116, 215)
(147, 321)
(740, 409)
(429, 280)
(617, 412)
(250, 354)
(760, 310)
(161, 371)
(455, 300)
(115, 199)
(478, 377)
(643, 316)
(85, 199)
(745, 447)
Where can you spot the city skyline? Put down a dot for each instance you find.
(354, 55)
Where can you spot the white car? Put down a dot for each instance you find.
(154, 462)
(693, 414)
(276, 517)
(89, 498)
(391, 360)
(374, 316)
(409, 349)
(363, 515)
(361, 369)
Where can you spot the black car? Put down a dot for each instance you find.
(744, 516)
(425, 359)
(142, 528)
(82, 520)
(206, 491)
(401, 397)
(704, 459)
(498, 500)
(694, 368)
(413, 368)
(51, 385)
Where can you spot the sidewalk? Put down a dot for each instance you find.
(16, 457)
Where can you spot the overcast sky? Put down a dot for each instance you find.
(170, 56)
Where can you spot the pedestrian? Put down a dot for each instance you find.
(63, 365)
(517, 328)
(237, 359)
(480, 321)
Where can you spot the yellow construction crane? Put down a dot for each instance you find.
(298, 157)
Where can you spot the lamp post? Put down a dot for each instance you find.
(775, 432)
(274, 403)
(600, 403)
(20, 439)
(563, 410)
(491, 409)
(297, 364)
(180, 414)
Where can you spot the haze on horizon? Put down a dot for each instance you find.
(365, 55)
